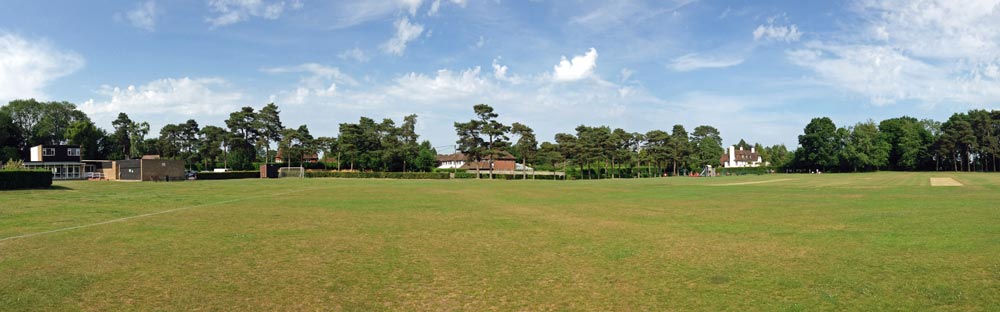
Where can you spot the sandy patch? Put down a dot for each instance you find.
(944, 182)
(754, 182)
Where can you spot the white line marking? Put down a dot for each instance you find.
(146, 215)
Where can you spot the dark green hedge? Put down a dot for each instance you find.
(449, 170)
(744, 171)
(519, 176)
(378, 175)
(228, 175)
(22, 179)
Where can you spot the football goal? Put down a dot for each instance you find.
(291, 172)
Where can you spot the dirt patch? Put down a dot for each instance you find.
(944, 182)
(754, 182)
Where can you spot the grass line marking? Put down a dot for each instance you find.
(148, 215)
(748, 183)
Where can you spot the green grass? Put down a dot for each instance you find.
(885, 241)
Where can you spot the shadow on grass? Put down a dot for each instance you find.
(50, 188)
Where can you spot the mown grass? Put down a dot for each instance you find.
(885, 241)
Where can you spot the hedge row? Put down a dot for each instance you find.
(463, 175)
(22, 179)
(378, 175)
(228, 175)
(449, 170)
(744, 171)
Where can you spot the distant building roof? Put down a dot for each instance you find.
(741, 155)
(461, 157)
(451, 157)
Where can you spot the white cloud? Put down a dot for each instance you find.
(165, 98)
(411, 5)
(349, 13)
(777, 33)
(28, 66)
(355, 54)
(626, 74)
(936, 28)
(405, 32)
(882, 73)
(694, 61)
(316, 70)
(235, 11)
(925, 51)
(321, 81)
(143, 16)
(444, 85)
(611, 14)
(886, 75)
(580, 67)
(436, 6)
(499, 71)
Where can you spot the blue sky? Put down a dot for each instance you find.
(758, 70)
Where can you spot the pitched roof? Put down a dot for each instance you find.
(451, 157)
(461, 157)
(740, 155)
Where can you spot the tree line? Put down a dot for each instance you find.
(593, 151)
(244, 142)
(965, 142)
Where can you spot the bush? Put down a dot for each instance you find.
(519, 176)
(448, 170)
(378, 175)
(744, 171)
(228, 175)
(22, 179)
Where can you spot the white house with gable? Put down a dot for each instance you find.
(740, 158)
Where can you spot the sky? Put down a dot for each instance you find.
(756, 70)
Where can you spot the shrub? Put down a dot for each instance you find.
(519, 176)
(448, 170)
(319, 165)
(744, 171)
(13, 164)
(22, 179)
(228, 175)
(378, 175)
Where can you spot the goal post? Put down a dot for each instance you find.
(291, 172)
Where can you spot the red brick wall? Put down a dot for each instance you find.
(506, 165)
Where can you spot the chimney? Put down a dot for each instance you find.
(732, 156)
(753, 150)
(741, 147)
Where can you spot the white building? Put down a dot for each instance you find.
(452, 161)
(739, 158)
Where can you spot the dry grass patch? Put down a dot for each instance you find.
(944, 182)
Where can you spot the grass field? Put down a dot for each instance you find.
(883, 241)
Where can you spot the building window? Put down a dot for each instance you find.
(73, 152)
(48, 152)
